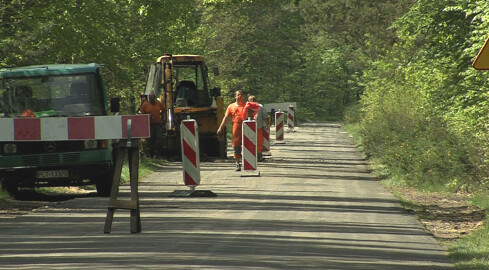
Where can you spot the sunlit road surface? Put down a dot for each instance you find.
(315, 206)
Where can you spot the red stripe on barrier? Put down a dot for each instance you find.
(249, 145)
(189, 181)
(81, 128)
(27, 129)
(280, 125)
(290, 117)
(190, 126)
(247, 165)
(251, 125)
(139, 125)
(189, 153)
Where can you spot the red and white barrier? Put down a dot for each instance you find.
(266, 142)
(250, 159)
(73, 128)
(190, 152)
(279, 126)
(291, 118)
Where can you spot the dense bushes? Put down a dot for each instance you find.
(425, 110)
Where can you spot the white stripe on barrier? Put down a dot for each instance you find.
(55, 129)
(6, 129)
(106, 127)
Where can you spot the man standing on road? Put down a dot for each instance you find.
(257, 111)
(234, 111)
(154, 108)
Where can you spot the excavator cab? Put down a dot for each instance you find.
(182, 84)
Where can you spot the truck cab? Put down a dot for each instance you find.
(55, 91)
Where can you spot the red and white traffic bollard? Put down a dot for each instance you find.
(279, 125)
(250, 157)
(291, 118)
(190, 153)
(266, 141)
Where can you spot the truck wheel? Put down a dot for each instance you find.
(9, 185)
(103, 183)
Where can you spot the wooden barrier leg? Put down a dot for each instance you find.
(133, 158)
(115, 186)
(132, 147)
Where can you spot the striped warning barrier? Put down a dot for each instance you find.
(249, 149)
(279, 126)
(291, 118)
(266, 141)
(73, 128)
(190, 152)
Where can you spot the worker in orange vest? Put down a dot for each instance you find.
(234, 112)
(154, 108)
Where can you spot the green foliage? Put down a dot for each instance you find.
(278, 50)
(124, 36)
(424, 107)
(254, 44)
(353, 114)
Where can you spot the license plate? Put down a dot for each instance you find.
(52, 174)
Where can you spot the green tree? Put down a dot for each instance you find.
(124, 36)
(254, 44)
(425, 107)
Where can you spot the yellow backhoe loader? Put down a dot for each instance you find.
(182, 84)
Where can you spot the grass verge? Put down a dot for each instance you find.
(472, 252)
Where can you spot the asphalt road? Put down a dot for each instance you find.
(315, 206)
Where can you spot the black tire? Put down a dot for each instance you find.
(103, 183)
(9, 185)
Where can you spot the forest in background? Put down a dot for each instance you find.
(310, 52)
(399, 71)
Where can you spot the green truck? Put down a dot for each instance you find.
(59, 90)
